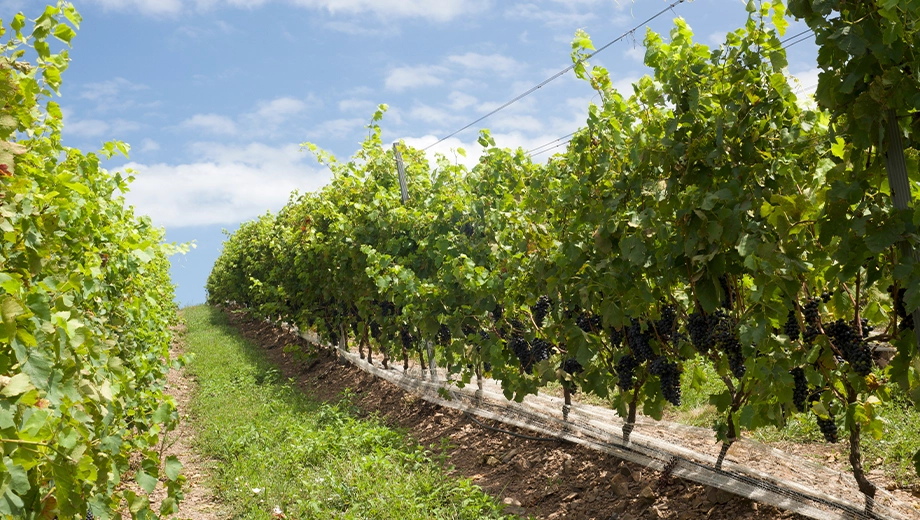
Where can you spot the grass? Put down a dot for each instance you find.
(276, 447)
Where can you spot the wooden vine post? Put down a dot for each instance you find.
(404, 191)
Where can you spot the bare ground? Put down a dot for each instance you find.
(544, 479)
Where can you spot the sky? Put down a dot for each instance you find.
(215, 97)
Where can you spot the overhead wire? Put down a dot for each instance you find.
(557, 75)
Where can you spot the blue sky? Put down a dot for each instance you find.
(215, 96)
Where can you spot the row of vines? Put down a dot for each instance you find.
(86, 303)
(711, 215)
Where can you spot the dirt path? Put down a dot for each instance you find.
(544, 479)
(199, 502)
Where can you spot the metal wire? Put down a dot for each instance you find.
(555, 76)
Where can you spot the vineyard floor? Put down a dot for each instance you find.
(535, 478)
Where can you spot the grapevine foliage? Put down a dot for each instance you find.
(708, 214)
(86, 305)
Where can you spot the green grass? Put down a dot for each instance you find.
(276, 447)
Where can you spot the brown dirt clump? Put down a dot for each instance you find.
(551, 480)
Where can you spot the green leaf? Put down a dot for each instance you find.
(17, 385)
(147, 482)
(173, 467)
(64, 33)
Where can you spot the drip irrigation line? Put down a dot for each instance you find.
(557, 75)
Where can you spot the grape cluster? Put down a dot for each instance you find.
(497, 312)
(729, 296)
(791, 328)
(407, 338)
(853, 348)
(866, 328)
(699, 326)
(517, 326)
(572, 366)
(387, 308)
(638, 341)
(725, 338)
(588, 322)
(540, 350)
(626, 370)
(810, 310)
(616, 337)
(664, 327)
(800, 390)
(826, 296)
(541, 309)
(443, 336)
(811, 332)
(89, 514)
(668, 373)
(530, 353)
(829, 429)
(467, 229)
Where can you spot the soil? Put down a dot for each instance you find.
(198, 502)
(542, 479)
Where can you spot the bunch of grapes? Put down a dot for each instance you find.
(800, 390)
(375, 330)
(668, 373)
(791, 328)
(467, 229)
(639, 341)
(828, 428)
(406, 337)
(866, 328)
(699, 326)
(664, 327)
(588, 322)
(853, 348)
(726, 339)
(467, 329)
(517, 326)
(387, 308)
(626, 370)
(810, 310)
(443, 336)
(540, 349)
(616, 337)
(811, 332)
(572, 366)
(826, 296)
(541, 309)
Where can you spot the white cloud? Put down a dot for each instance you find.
(86, 127)
(108, 90)
(402, 78)
(460, 100)
(549, 17)
(149, 145)
(146, 7)
(226, 185)
(336, 128)
(485, 62)
(211, 123)
(804, 81)
(362, 106)
(271, 114)
(636, 52)
(430, 114)
(440, 11)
